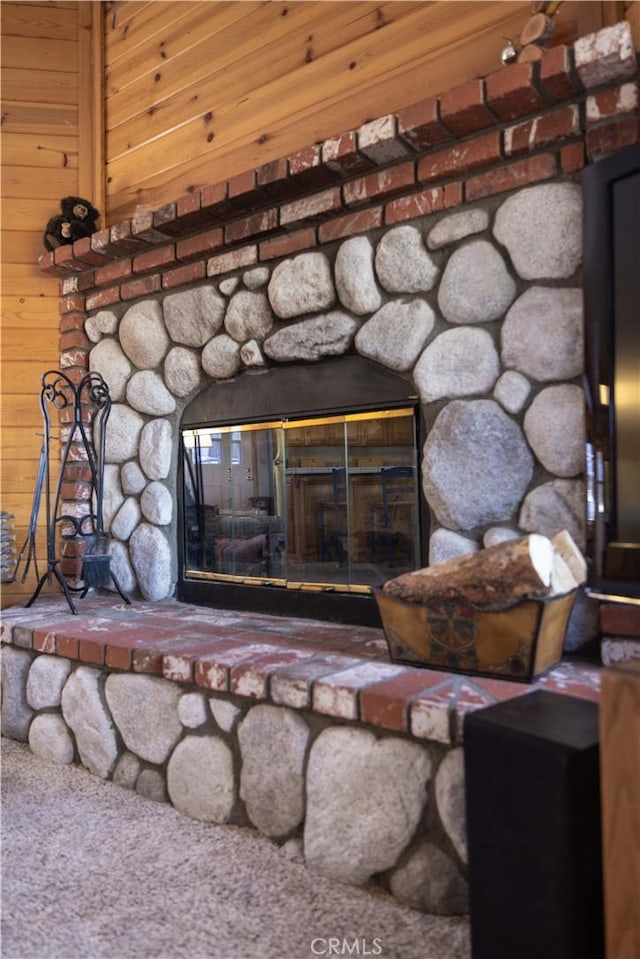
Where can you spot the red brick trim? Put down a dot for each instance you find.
(461, 158)
(184, 274)
(511, 177)
(72, 321)
(420, 125)
(417, 204)
(108, 275)
(141, 287)
(74, 338)
(520, 125)
(619, 619)
(97, 301)
(348, 225)
(622, 132)
(544, 130)
(286, 245)
(464, 109)
(154, 259)
(72, 303)
(193, 246)
(557, 77)
(382, 183)
(514, 92)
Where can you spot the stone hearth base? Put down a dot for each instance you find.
(304, 730)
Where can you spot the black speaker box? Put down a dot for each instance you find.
(533, 829)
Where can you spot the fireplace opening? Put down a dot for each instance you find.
(299, 490)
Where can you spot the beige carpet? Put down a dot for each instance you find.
(92, 871)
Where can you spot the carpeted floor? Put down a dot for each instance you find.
(92, 871)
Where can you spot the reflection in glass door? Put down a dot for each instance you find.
(232, 526)
(323, 503)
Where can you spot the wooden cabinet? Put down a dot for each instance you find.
(310, 506)
(386, 431)
(304, 495)
(389, 431)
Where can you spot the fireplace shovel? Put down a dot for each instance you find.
(96, 568)
(29, 545)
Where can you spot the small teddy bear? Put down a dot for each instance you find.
(78, 219)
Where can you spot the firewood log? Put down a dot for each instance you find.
(565, 546)
(496, 577)
(538, 29)
(530, 53)
(562, 579)
(550, 7)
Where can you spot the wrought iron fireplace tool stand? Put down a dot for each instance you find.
(91, 396)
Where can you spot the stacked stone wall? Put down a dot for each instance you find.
(356, 805)
(443, 242)
(481, 309)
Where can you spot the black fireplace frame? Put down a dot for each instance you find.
(348, 384)
(611, 190)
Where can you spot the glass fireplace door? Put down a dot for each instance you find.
(325, 503)
(234, 524)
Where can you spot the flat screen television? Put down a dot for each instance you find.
(612, 343)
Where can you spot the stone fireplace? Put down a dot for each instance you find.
(424, 269)
(440, 249)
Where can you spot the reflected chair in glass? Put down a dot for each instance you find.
(385, 516)
(332, 519)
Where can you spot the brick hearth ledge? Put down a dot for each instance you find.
(303, 730)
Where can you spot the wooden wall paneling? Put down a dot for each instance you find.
(18, 245)
(29, 348)
(151, 127)
(21, 456)
(162, 29)
(42, 86)
(29, 312)
(32, 53)
(632, 14)
(55, 21)
(410, 49)
(39, 181)
(121, 11)
(620, 790)
(41, 119)
(612, 12)
(31, 213)
(262, 38)
(22, 280)
(91, 136)
(278, 55)
(172, 29)
(40, 57)
(593, 15)
(19, 412)
(257, 102)
(475, 53)
(18, 472)
(198, 67)
(27, 150)
(23, 376)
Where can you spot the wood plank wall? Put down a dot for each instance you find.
(43, 139)
(632, 14)
(197, 92)
(620, 787)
